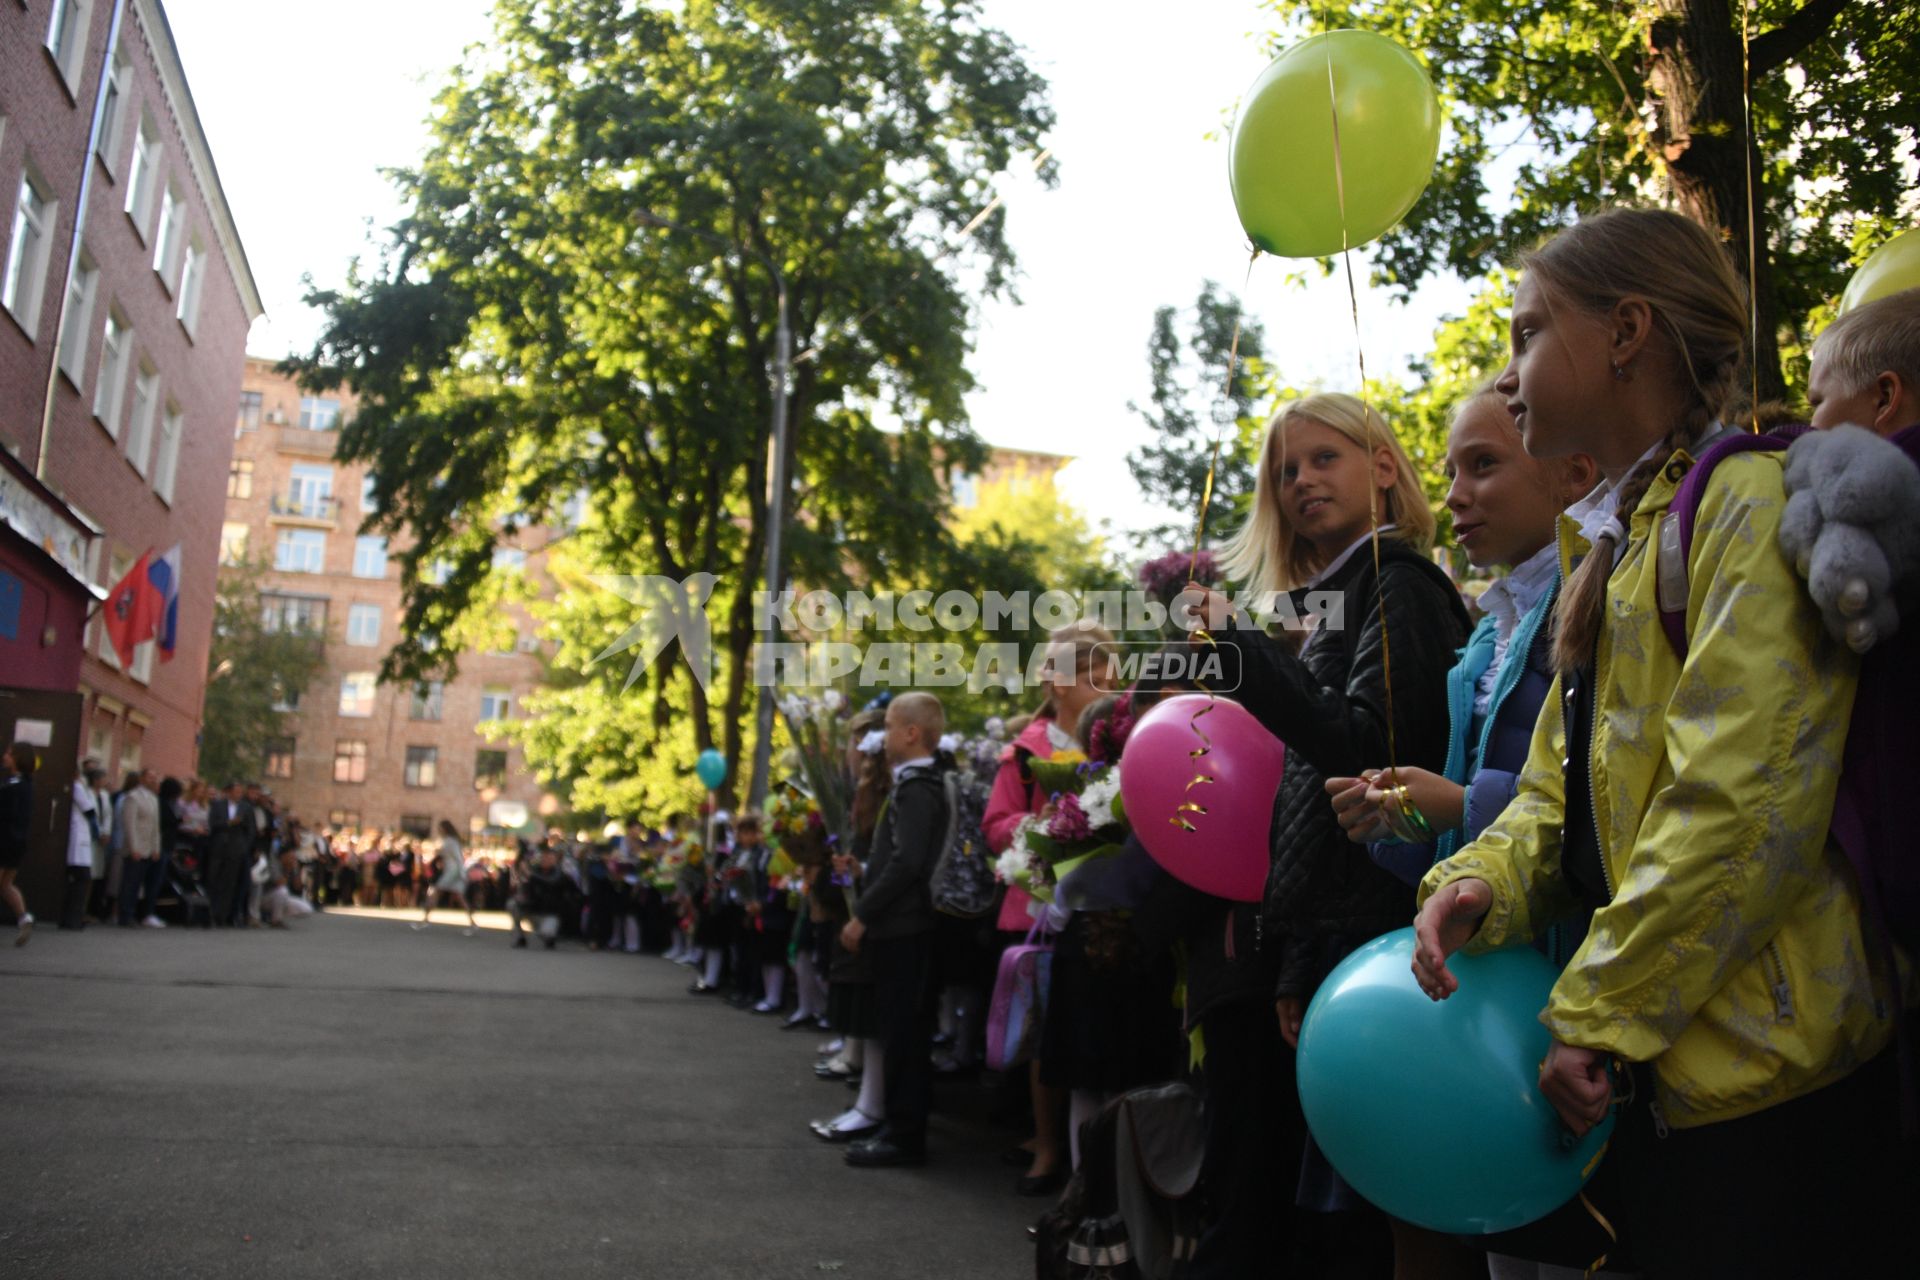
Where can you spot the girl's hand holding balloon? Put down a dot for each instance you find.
(1291, 1010)
(1576, 1082)
(1449, 918)
(1442, 803)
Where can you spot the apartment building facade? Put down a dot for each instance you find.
(358, 753)
(125, 301)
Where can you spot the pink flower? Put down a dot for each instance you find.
(1069, 823)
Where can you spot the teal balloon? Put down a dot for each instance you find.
(711, 769)
(1433, 1111)
(1282, 170)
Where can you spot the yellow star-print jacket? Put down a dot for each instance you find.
(1731, 955)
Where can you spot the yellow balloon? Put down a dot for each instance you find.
(1891, 268)
(1292, 198)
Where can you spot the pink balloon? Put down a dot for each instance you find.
(1225, 853)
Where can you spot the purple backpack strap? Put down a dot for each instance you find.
(1685, 508)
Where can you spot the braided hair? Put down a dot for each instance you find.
(1700, 304)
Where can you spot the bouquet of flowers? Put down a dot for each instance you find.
(1084, 820)
(796, 827)
(819, 733)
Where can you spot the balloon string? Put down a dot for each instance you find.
(1366, 409)
(1613, 1237)
(1750, 161)
(1200, 776)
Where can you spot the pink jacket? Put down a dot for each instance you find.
(1014, 797)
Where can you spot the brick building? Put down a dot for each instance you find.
(359, 753)
(125, 301)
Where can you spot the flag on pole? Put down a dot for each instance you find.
(133, 610)
(164, 573)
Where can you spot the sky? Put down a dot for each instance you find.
(305, 105)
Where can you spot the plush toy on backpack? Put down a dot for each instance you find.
(1852, 528)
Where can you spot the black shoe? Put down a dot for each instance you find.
(1017, 1158)
(552, 943)
(520, 941)
(885, 1153)
(824, 1130)
(1041, 1184)
(701, 987)
(948, 1069)
(833, 1069)
(738, 1001)
(797, 1024)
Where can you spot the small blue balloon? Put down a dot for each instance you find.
(1433, 1111)
(711, 769)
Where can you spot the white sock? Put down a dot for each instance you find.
(774, 978)
(851, 1118)
(873, 1089)
(713, 967)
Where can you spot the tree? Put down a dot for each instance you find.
(1631, 102)
(582, 298)
(1185, 406)
(252, 670)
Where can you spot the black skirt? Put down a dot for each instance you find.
(851, 1010)
(1111, 1021)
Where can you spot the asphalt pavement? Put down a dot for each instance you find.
(348, 1097)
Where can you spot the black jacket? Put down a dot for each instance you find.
(896, 900)
(1324, 895)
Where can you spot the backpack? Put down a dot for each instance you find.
(1129, 1212)
(1884, 864)
(963, 882)
(1018, 1009)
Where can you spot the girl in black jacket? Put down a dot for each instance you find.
(1331, 473)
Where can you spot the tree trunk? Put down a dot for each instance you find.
(1695, 81)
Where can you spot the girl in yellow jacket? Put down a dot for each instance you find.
(1723, 991)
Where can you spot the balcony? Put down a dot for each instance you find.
(303, 512)
(312, 444)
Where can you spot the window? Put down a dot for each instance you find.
(240, 478)
(293, 614)
(489, 768)
(166, 454)
(233, 543)
(318, 413)
(343, 819)
(423, 766)
(350, 761)
(142, 177)
(166, 240)
(107, 146)
(369, 557)
(283, 700)
(966, 490)
(428, 699)
(509, 559)
(76, 326)
(130, 752)
(300, 551)
(437, 572)
(363, 624)
(368, 505)
(496, 703)
(417, 825)
(279, 757)
(310, 490)
(110, 388)
(251, 403)
(146, 390)
(356, 693)
(193, 270)
(67, 38)
(27, 252)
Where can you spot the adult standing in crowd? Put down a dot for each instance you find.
(230, 835)
(141, 872)
(83, 838)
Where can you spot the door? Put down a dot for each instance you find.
(51, 722)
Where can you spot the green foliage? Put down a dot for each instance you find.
(533, 330)
(250, 669)
(1578, 87)
(1190, 402)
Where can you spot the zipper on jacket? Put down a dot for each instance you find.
(1659, 1117)
(1782, 993)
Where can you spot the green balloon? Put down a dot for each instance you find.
(1282, 170)
(1893, 267)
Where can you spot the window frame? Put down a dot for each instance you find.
(304, 538)
(365, 547)
(76, 325)
(357, 613)
(421, 768)
(366, 680)
(344, 753)
(23, 277)
(166, 450)
(110, 384)
(279, 763)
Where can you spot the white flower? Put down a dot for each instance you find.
(1097, 800)
(833, 700)
(793, 707)
(949, 742)
(1013, 866)
(996, 728)
(874, 742)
